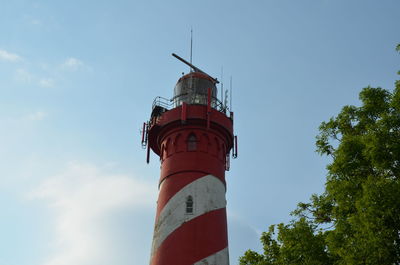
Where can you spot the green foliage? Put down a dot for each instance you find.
(357, 218)
(296, 243)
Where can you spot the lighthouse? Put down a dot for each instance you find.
(192, 134)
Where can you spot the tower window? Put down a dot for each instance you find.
(192, 143)
(189, 205)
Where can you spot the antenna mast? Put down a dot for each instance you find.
(191, 45)
(222, 86)
(230, 97)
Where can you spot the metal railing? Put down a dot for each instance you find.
(162, 102)
(168, 104)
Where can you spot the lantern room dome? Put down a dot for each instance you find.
(192, 88)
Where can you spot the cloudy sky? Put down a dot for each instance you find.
(77, 79)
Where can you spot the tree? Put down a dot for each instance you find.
(296, 243)
(356, 220)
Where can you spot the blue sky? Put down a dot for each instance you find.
(77, 79)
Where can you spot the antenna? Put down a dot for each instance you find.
(222, 86)
(191, 45)
(226, 100)
(230, 98)
(194, 67)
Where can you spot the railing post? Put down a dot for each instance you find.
(208, 107)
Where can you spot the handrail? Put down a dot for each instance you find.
(162, 102)
(168, 104)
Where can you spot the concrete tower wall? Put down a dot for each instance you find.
(192, 142)
(195, 235)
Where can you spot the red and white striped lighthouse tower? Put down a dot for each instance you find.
(193, 135)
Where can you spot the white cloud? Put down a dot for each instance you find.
(23, 75)
(8, 56)
(72, 64)
(36, 22)
(235, 217)
(36, 116)
(84, 198)
(46, 82)
(242, 235)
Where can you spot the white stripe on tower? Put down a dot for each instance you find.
(208, 194)
(221, 257)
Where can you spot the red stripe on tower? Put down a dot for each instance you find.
(192, 139)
